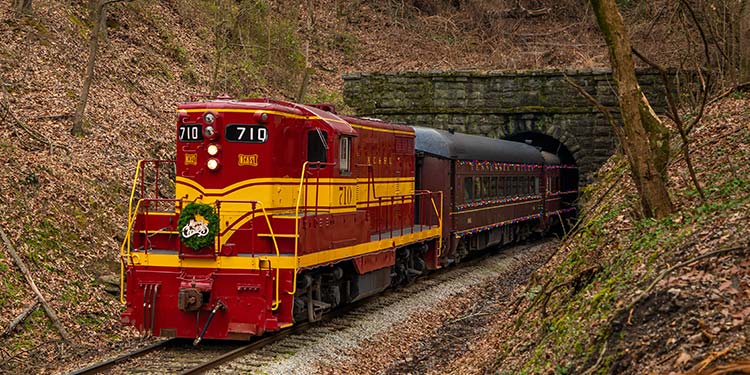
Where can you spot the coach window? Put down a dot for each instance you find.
(468, 186)
(477, 188)
(493, 186)
(317, 147)
(344, 155)
(536, 185)
(485, 187)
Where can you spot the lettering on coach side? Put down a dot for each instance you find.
(247, 160)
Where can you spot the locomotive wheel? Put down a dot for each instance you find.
(315, 307)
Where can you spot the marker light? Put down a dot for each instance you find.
(209, 118)
(209, 131)
(212, 164)
(261, 117)
(212, 149)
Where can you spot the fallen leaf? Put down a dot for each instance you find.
(682, 359)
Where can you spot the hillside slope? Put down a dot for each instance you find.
(629, 295)
(64, 198)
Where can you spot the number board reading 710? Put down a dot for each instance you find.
(191, 133)
(247, 133)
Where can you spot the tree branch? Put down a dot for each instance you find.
(675, 116)
(5, 106)
(20, 318)
(50, 312)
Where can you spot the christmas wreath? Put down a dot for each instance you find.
(198, 225)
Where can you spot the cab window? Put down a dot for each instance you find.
(317, 147)
(344, 155)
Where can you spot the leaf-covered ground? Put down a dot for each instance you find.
(64, 199)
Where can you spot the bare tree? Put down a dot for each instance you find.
(22, 7)
(98, 15)
(744, 41)
(644, 137)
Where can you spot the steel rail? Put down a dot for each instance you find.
(272, 338)
(100, 367)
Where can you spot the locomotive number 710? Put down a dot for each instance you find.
(247, 133)
(346, 195)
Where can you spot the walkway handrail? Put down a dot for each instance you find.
(296, 228)
(277, 300)
(123, 254)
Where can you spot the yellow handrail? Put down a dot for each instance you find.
(276, 247)
(440, 221)
(296, 228)
(132, 189)
(126, 240)
(126, 244)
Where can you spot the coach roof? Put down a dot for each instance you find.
(461, 146)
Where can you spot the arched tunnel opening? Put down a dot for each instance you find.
(569, 177)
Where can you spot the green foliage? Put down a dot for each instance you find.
(347, 43)
(84, 25)
(190, 76)
(174, 49)
(738, 94)
(324, 95)
(254, 46)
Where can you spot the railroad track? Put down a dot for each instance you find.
(107, 364)
(178, 356)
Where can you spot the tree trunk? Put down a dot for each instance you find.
(744, 36)
(77, 128)
(22, 7)
(644, 138)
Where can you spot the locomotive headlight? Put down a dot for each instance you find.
(212, 164)
(209, 131)
(212, 150)
(209, 118)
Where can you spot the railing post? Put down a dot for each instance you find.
(145, 226)
(380, 214)
(317, 187)
(217, 248)
(401, 217)
(156, 184)
(253, 240)
(143, 179)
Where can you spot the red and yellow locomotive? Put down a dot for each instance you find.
(283, 211)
